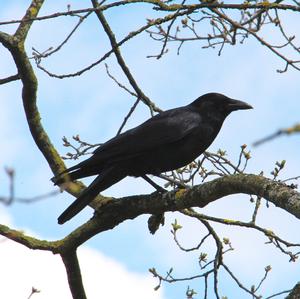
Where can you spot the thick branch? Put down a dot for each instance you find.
(15, 44)
(115, 211)
(25, 25)
(74, 275)
(29, 96)
(29, 242)
(295, 293)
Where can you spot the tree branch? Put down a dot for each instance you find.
(114, 211)
(74, 274)
(121, 61)
(295, 292)
(9, 79)
(30, 14)
(160, 5)
(15, 44)
(280, 132)
(28, 241)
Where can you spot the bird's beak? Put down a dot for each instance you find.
(238, 105)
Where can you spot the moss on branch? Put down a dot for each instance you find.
(117, 210)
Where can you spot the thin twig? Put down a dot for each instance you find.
(9, 79)
(128, 115)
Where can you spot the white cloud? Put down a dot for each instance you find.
(22, 269)
(109, 278)
(5, 218)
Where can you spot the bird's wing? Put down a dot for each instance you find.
(166, 127)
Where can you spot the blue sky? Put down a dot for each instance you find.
(94, 107)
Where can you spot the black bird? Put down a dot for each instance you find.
(165, 142)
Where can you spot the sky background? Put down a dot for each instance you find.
(94, 107)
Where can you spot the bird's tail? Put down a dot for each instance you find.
(106, 179)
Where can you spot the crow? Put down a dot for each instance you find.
(165, 142)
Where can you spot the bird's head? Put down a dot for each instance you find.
(218, 104)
